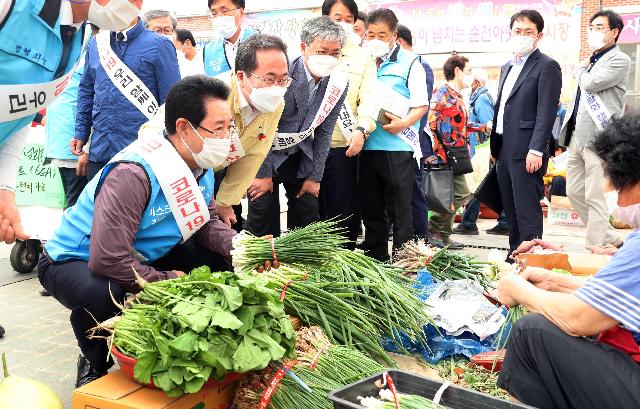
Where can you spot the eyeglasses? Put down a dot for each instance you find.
(230, 131)
(161, 30)
(223, 12)
(271, 81)
(337, 55)
(599, 28)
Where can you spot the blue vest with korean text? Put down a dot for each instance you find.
(215, 59)
(394, 73)
(31, 51)
(158, 231)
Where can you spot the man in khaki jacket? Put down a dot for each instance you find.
(602, 80)
(257, 87)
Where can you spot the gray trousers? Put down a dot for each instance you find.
(585, 189)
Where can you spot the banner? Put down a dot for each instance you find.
(286, 24)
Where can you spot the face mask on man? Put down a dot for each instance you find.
(322, 65)
(377, 48)
(596, 40)
(352, 37)
(214, 151)
(267, 99)
(629, 215)
(225, 26)
(115, 16)
(521, 45)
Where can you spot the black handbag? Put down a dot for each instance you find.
(458, 157)
(438, 188)
(488, 191)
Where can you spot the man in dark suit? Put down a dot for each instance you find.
(297, 157)
(528, 96)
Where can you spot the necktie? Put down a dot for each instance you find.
(120, 37)
(378, 62)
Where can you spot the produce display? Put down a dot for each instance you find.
(405, 401)
(203, 325)
(319, 364)
(16, 391)
(477, 378)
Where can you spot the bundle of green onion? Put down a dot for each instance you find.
(311, 245)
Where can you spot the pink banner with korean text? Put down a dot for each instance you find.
(631, 31)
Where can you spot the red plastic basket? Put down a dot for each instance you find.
(127, 364)
(486, 359)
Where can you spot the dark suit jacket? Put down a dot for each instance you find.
(530, 109)
(297, 116)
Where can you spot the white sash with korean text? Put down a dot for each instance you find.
(124, 79)
(596, 108)
(346, 121)
(335, 88)
(177, 182)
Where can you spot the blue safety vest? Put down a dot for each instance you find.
(157, 234)
(61, 119)
(31, 51)
(394, 73)
(215, 58)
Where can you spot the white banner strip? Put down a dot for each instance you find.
(596, 108)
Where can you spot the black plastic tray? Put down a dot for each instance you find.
(405, 382)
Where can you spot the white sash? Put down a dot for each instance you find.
(22, 100)
(335, 88)
(596, 108)
(177, 182)
(236, 151)
(124, 79)
(346, 121)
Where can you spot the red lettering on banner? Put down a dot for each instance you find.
(197, 222)
(179, 185)
(61, 86)
(151, 146)
(232, 148)
(335, 91)
(195, 210)
(185, 197)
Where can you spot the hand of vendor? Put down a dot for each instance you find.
(540, 277)
(608, 250)
(508, 289)
(226, 214)
(396, 126)
(309, 186)
(268, 264)
(356, 143)
(527, 246)
(76, 146)
(83, 165)
(10, 224)
(260, 187)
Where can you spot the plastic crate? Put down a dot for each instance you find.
(453, 397)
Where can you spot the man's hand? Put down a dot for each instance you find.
(178, 273)
(10, 224)
(309, 186)
(608, 250)
(508, 288)
(534, 163)
(540, 277)
(396, 126)
(492, 159)
(76, 146)
(82, 166)
(356, 144)
(430, 160)
(268, 264)
(227, 215)
(260, 187)
(526, 246)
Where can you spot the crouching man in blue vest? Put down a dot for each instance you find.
(150, 208)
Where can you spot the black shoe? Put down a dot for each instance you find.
(498, 229)
(1, 331)
(86, 373)
(454, 245)
(435, 240)
(461, 229)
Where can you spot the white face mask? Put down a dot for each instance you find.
(629, 215)
(376, 48)
(352, 37)
(521, 45)
(225, 26)
(322, 65)
(214, 151)
(596, 40)
(168, 37)
(267, 99)
(115, 16)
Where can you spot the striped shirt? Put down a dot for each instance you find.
(615, 289)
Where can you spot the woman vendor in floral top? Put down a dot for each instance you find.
(448, 120)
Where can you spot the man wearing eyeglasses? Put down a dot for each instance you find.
(602, 83)
(127, 77)
(528, 95)
(160, 22)
(257, 94)
(226, 17)
(301, 145)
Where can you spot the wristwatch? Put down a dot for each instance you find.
(364, 132)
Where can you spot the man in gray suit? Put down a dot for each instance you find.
(602, 80)
(303, 139)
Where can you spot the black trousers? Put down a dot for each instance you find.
(237, 209)
(94, 168)
(264, 213)
(521, 193)
(547, 368)
(385, 178)
(72, 184)
(338, 193)
(87, 295)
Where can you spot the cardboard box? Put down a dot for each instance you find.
(580, 264)
(560, 212)
(116, 391)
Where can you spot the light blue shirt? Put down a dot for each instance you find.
(507, 87)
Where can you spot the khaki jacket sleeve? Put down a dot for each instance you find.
(367, 97)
